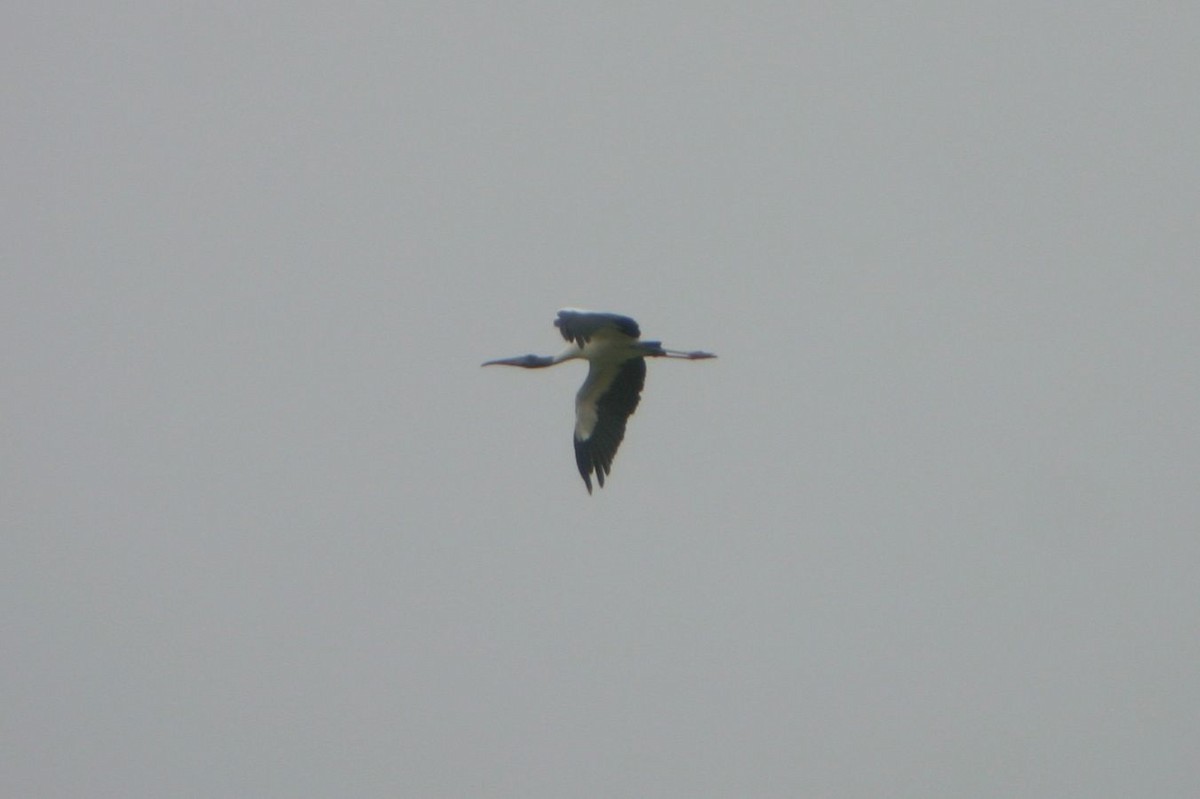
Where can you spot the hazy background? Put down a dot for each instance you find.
(928, 527)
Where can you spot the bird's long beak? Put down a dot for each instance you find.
(526, 361)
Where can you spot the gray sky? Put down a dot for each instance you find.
(928, 527)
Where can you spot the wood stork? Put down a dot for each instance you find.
(610, 394)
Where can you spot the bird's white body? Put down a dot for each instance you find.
(606, 344)
(610, 394)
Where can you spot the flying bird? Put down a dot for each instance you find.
(616, 360)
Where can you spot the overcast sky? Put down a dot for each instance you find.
(927, 528)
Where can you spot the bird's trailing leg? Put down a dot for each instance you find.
(655, 349)
(694, 355)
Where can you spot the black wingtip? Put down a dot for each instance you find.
(583, 460)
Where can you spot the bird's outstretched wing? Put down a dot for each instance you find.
(579, 326)
(607, 399)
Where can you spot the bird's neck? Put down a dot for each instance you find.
(570, 353)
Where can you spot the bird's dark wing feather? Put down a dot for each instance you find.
(580, 326)
(613, 409)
